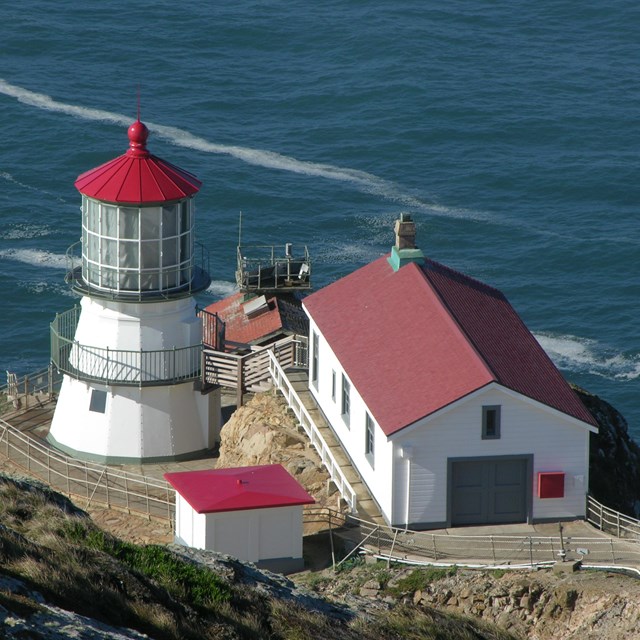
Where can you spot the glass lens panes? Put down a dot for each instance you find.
(129, 219)
(109, 221)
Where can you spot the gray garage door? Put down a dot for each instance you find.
(488, 491)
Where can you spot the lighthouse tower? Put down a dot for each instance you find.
(131, 352)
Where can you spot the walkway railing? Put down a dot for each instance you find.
(422, 547)
(610, 521)
(119, 366)
(312, 431)
(21, 393)
(86, 482)
(246, 371)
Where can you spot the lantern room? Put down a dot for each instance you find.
(137, 227)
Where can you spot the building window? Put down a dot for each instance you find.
(491, 422)
(98, 402)
(369, 442)
(346, 390)
(333, 386)
(315, 362)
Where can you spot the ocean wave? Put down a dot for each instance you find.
(362, 180)
(35, 257)
(5, 175)
(25, 232)
(221, 288)
(589, 356)
(43, 287)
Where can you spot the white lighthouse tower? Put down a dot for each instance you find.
(131, 352)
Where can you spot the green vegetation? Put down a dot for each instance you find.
(419, 579)
(55, 549)
(196, 584)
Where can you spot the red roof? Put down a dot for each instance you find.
(415, 340)
(278, 316)
(240, 488)
(137, 177)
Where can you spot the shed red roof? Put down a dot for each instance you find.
(239, 488)
(137, 177)
(415, 340)
(280, 315)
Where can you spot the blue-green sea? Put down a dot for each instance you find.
(510, 131)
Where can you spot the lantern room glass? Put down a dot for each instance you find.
(137, 249)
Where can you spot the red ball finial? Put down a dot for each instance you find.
(138, 134)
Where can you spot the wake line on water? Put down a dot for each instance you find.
(362, 180)
(588, 356)
(35, 257)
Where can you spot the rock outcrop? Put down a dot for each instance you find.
(264, 431)
(614, 460)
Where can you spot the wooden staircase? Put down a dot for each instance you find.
(365, 505)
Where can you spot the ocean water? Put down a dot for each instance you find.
(509, 131)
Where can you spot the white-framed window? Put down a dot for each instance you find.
(315, 359)
(491, 422)
(369, 438)
(345, 407)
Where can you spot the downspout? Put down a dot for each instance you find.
(407, 454)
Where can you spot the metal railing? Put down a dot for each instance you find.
(166, 283)
(20, 393)
(265, 271)
(213, 330)
(311, 429)
(87, 482)
(611, 521)
(119, 366)
(422, 547)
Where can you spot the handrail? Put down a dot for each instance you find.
(426, 547)
(93, 482)
(611, 521)
(119, 366)
(312, 431)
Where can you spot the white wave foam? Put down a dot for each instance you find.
(222, 288)
(25, 232)
(588, 356)
(5, 175)
(362, 180)
(41, 287)
(35, 257)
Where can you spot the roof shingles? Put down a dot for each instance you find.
(415, 340)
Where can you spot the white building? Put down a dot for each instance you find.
(448, 407)
(251, 513)
(131, 353)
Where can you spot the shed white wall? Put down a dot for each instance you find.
(250, 535)
(377, 475)
(557, 443)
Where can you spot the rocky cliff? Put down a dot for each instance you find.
(614, 459)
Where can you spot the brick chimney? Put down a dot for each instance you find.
(405, 250)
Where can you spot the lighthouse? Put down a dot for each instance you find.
(131, 351)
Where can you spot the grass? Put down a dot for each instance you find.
(419, 579)
(57, 550)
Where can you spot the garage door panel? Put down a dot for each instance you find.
(488, 491)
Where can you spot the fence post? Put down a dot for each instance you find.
(601, 517)
(239, 382)
(435, 550)
(26, 392)
(613, 555)
(530, 551)
(617, 524)
(493, 549)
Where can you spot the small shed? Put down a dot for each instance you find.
(252, 513)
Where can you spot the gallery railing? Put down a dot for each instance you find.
(119, 366)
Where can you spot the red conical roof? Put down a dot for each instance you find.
(137, 177)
